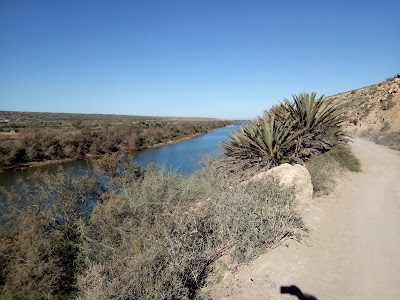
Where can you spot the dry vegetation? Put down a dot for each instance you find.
(374, 111)
(32, 140)
(128, 233)
(132, 234)
(326, 168)
(387, 138)
(122, 232)
(15, 120)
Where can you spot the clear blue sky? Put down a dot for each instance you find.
(212, 58)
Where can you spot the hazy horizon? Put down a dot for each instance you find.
(150, 116)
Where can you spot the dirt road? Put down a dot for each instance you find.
(353, 251)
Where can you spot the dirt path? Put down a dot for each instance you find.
(353, 251)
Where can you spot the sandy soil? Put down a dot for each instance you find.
(353, 249)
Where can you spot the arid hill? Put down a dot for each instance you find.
(373, 108)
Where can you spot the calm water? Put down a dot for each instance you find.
(184, 156)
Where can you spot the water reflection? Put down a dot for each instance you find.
(184, 156)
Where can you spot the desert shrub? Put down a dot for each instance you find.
(253, 216)
(365, 111)
(323, 170)
(128, 233)
(40, 222)
(30, 268)
(290, 132)
(343, 155)
(389, 139)
(39, 260)
(174, 227)
(326, 168)
(388, 103)
(166, 260)
(5, 154)
(383, 137)
(151, 234)
(385, 127)
(366, 133)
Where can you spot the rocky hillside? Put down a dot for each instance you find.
(374, 108)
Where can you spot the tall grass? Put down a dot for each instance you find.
(151, 234)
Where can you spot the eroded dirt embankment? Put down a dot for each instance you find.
(354, 244)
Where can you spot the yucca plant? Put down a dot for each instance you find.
(290, 132)
(310, 112)
(319, 120)
(263, 144)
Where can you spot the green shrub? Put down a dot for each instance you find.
(290, 132)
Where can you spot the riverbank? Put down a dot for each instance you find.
(157, 228)
(38, 147)
(166, 229)
(23, 166)
(177, 140)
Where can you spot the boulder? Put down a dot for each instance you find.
(294, 177)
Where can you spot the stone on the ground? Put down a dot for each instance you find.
(294, 177)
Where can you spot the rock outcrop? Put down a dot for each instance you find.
(294, 177)
(372, 108)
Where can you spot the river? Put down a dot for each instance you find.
(184, 156)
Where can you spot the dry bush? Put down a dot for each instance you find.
(254, 216)
(323, 170)
(30, 267)
(326, 168)
(167, 260)
(170, 228)
(151, 235)
(40, 256)
(347, 160)
(389, 139)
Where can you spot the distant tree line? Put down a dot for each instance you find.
(41, 144)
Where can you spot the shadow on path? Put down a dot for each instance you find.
(295, 291)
